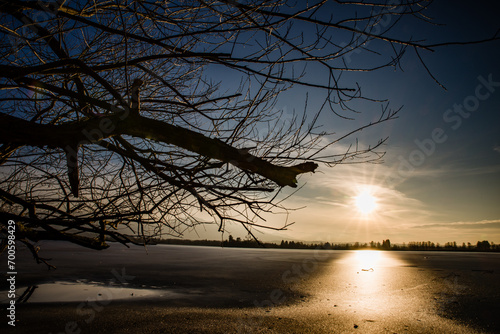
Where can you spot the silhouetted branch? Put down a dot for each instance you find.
(128, 117)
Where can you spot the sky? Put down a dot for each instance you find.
(440, 177)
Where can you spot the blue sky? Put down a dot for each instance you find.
(453, 193)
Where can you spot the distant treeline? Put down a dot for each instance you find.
(480, 246)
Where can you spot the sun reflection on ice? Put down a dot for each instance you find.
(369, 280)
(367, 259)
(370, 283)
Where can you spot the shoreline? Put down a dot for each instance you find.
(299, 245)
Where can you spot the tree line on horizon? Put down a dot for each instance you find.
(480, 246)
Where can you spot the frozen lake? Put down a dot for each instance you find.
(365, 291)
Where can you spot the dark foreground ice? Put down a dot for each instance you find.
(182, 289)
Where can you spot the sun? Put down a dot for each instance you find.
(365, 202)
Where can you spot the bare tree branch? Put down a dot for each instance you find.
(140, 118)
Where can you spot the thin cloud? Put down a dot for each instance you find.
(482, 224)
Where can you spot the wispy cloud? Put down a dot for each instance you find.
(455, 169)
(482, 224)
(496, 148)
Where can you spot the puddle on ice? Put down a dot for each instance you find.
(81, 292)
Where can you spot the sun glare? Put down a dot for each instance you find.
(365, 202)
(367, 258)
